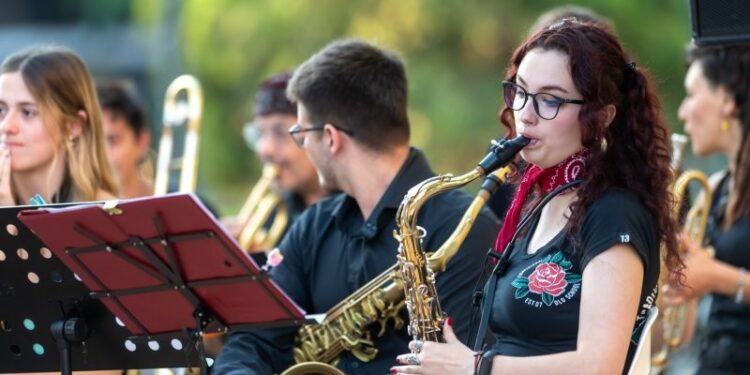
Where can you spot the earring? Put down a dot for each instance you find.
(724, 125)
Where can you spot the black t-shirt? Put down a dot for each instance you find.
(727, 342)
(537, 301)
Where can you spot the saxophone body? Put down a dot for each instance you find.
(417, 268)
(346, 326)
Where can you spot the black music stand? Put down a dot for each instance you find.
(164, 267)
(37, 290)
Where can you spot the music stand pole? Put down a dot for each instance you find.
(66, 332)
(201, 322)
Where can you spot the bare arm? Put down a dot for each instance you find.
(609, 301)
(611, 290)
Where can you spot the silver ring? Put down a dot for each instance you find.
(413, 360)
(416, 346)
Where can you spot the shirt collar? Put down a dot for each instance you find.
(414, 170)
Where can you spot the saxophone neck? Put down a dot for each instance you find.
(448, 250)
(406, 217)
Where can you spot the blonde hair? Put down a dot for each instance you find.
(62, 86)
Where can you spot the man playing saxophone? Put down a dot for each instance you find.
(351, 105)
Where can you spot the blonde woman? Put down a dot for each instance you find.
(51, 130)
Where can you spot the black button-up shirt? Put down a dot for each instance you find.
(331, 251)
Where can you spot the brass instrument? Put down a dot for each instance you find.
(679, 141)
(258, 207)
(344, 327)
(422, 303)
(674, 318)
(177, 113)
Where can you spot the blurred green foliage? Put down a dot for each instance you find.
(456, 53)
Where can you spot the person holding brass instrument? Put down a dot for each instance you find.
(269, 134)
(577, 259)
(716, 114)
(352, 122)
(52, 140)
(128, 138)
(293, 175)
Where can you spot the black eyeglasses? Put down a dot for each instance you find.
(298, 132)
(516, 98)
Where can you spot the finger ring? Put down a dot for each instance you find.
(413, 360)
(416, 346)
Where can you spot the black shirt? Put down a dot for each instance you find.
(537, 301)
(727, 342)
(331, 251)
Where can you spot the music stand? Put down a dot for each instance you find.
(37, 289)
(163, 266)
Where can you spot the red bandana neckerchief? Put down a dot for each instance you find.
(549, 179)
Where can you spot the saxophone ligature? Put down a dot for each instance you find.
(180, 110)
(674, 318)
(346, 325)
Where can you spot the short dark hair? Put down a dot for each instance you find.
(358, 87)
(270, 98)
(119, 97)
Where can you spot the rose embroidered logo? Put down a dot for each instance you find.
(549, 279)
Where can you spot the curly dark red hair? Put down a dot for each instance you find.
(637, 154)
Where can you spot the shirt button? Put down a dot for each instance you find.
(355, 364)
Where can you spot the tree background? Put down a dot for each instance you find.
(456, 53)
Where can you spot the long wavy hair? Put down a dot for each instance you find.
(729, 67)
(634, 151)
(62, 86)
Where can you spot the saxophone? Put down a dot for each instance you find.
(345, 326)
(417, 271)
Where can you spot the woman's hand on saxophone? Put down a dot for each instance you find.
(451, 357)
(699, 274)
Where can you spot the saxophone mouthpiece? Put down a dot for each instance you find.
(502, 152)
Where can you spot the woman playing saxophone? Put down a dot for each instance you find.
(579, 248)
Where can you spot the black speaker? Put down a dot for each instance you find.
(720, 21)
